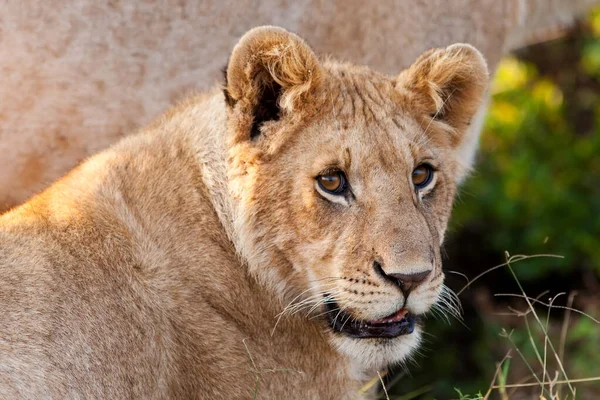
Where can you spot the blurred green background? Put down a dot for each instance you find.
(535, 190)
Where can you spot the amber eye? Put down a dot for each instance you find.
(422, 175)
(333, 182)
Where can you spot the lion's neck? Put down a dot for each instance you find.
(207, 136)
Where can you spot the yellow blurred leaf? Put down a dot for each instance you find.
(511, 74)
(547, 93)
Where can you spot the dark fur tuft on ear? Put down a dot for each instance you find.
(267, 107)
(228, 99)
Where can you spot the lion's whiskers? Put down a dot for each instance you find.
(350, 318)
(341, 309)
(313, 301)
(293, 305)
(448, 303)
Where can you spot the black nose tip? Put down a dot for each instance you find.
(406, 282)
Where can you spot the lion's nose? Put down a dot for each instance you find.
(406, 282)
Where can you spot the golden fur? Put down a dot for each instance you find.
(77, 75)
(190, 260)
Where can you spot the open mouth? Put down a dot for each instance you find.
(397, 324)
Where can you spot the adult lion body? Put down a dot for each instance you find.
(157, 268)
(77, 74)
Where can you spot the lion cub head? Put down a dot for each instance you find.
(343, 181)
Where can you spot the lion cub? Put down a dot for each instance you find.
(279, 237)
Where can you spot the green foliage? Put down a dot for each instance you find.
(468, 397)
(583, 340)
(536, 188)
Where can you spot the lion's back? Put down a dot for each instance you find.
(70, 326)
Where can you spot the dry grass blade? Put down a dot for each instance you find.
(513, 259)
(548, 305)
(561, 382)
(383, 386)
(565, 325)
(459, 274)
(531, 371)
(563, 331)
(367, 386)
(498, 367)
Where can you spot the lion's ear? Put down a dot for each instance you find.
(448, 85)
(270, 72)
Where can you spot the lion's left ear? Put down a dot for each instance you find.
(447, 86)
(271, 71)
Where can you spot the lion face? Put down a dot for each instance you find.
(344, 181)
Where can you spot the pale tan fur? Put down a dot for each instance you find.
(190, 261)
(79, 74)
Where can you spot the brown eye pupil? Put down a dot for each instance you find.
(333, 182)
(421, 176)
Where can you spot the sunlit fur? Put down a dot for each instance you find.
(192, 260)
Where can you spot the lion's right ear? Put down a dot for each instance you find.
(447, 85)
(270, 72)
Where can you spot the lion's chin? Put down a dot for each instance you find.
(370, 354)
(377, 344)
